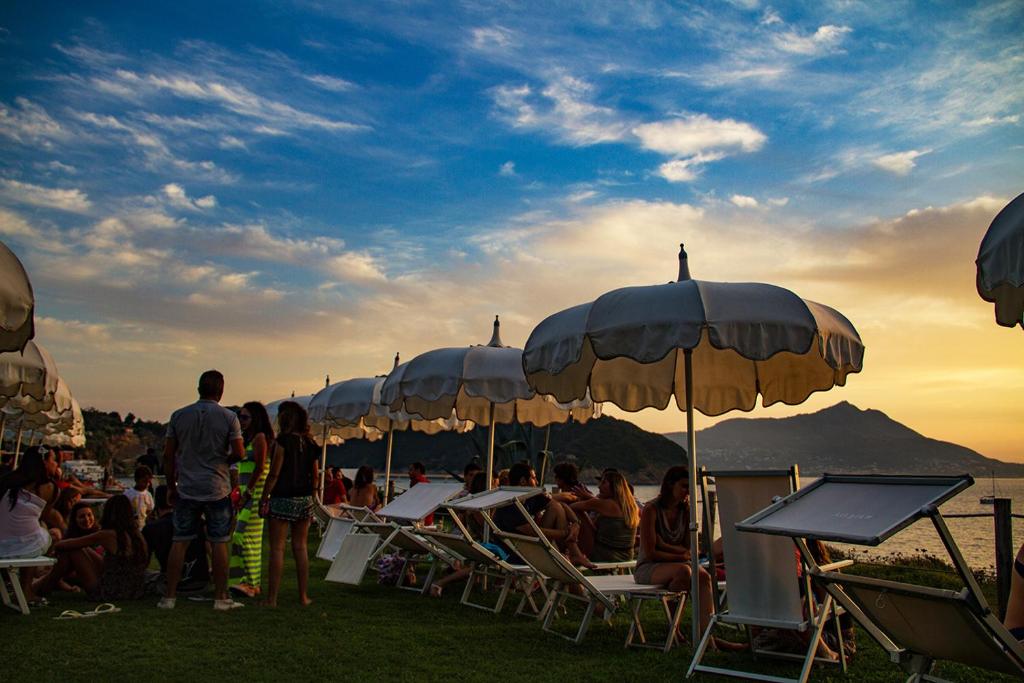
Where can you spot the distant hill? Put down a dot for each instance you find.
(600, 443)
(842, 438)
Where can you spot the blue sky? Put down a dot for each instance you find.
(288, 189)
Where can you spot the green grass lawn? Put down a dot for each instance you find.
(368, 632)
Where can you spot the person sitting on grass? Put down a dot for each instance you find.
(159, 535)
(139, 495)
(664, 558)
(556, 520)
(609, 521)
(27, 495)
(81, 522)
(287, 499)
(120, 573)
(59, 517)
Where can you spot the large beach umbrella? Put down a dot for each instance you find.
(1001, 264)
(17, 303)
(273, 406)
(714, 346)
(352, 409)
(28, 383)
(482, 384)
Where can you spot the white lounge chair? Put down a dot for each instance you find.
(391, 527)
(916, 625)
(485, 564)
(763, 584)
(339, 522)
(604, 590)
(10, 571)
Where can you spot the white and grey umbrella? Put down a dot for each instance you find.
(28, 384)
(714, 346)
(1001, 264)
(273, 406)
(352, 409)
(17, 303)
(482, 384)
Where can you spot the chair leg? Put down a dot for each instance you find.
(551, 607)
(839, 638)
(820, 620)
(636, 629)
(505, 586)
(18, 593)
(585, 624)
(4, 595)
(429, 580)
(673, 625)
(699, 652)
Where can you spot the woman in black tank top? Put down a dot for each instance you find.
(288, 496)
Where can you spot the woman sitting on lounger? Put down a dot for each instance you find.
(556, 520)
(664, 558)
(119, 574)
(364, 492)
(610, 535)
(26, 495)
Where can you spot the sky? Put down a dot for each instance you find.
(293, 189)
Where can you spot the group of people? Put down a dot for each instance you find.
(225, 475)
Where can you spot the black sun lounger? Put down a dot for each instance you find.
(916, 625)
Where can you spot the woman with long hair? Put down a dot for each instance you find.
(288, 496)
(364, 492)
(610, 534)
(664, 558)
(246, 563)
(120, 573)
(27, 494)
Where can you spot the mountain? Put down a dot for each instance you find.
(599, 443)
(842, 438)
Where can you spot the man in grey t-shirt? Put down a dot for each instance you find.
(203, 439)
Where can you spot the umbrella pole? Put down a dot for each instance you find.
(490, 469)
(691, 448)
(323, 466)
(387, 463)
(17, 444)
(544, 455)
(490, 450)
(3, 429)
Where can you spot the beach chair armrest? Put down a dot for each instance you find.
(836, 566)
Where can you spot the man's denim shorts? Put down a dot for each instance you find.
(217, 514)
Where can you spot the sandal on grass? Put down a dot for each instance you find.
(105, 608)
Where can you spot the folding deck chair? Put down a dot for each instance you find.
(393, 527)
(545, 559)
(917, 626)
(483, 563)
(341, 519)
(762, 578)
(9, 571)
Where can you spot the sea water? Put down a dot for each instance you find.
(974, 536)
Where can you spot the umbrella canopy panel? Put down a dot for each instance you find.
(469, 381)
(1001, 264)
(627, 347)
(17, 303)
(32, 374)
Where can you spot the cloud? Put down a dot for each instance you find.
(29, 123)
(743, 201)
(561, 108)
(825, 40)
(692, 135)
(176, 197)
(491, 37)
(13, 225)
(899, 163)
(331, 83)
(73, 200)
(508, 169)
(778, 201)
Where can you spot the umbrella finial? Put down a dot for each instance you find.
(684, 268)
(327, 381)
(396, 361)
(496, 336)
(293, 393)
